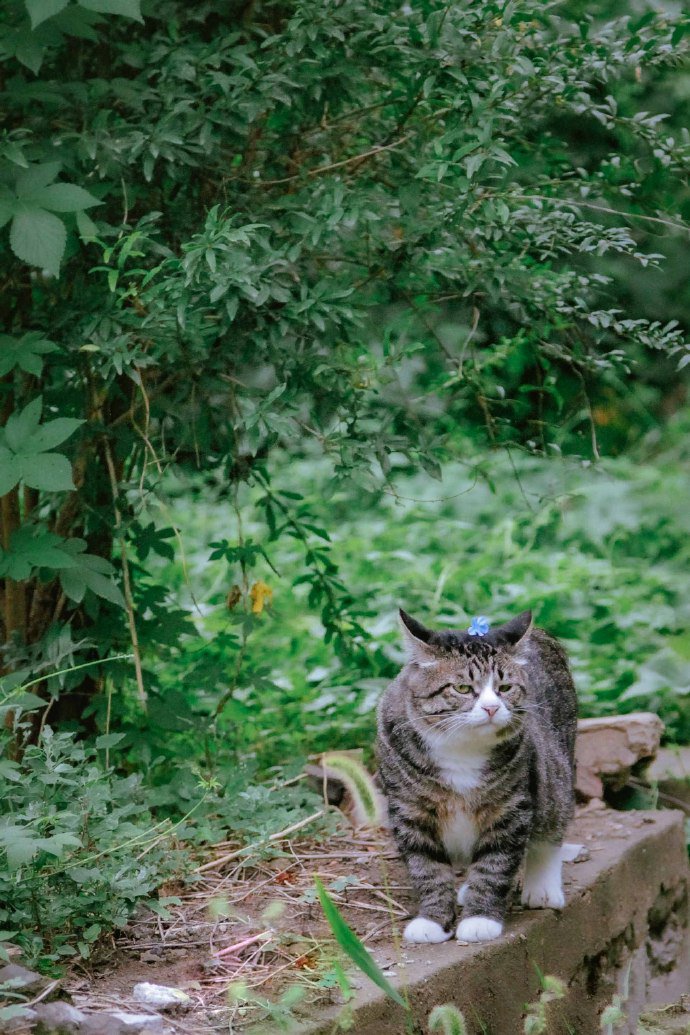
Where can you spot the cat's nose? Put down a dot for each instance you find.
(490, 709)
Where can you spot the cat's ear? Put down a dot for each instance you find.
(416, 638)
(515, 633)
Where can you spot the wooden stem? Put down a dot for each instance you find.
(126, 580)
(15, 592)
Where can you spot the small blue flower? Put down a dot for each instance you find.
(479, 626)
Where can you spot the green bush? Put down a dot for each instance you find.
(79, 848)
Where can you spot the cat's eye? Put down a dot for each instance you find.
(505, 687)
(463, 689)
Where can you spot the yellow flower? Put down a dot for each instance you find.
(260, 594)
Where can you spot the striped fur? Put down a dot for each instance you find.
(476, 757)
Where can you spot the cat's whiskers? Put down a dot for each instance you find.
(452, 724)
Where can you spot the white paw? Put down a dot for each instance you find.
(422, 930)
(478, 929)
(462, 894)
(543, 896)
(542, 887)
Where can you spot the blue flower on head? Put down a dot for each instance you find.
(479, 626)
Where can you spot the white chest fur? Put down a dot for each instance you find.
(461, 771)
(459, 832)
(460, 764)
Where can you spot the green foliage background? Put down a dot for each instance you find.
(310, 310)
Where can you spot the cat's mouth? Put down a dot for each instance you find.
(494, 722)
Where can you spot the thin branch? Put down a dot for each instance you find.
(603, 208)
(230, 950)
(433, 499)
(278, 836)
(44, 994)
(245, 597)
(473, 330)
(126, 581)
(336, 165)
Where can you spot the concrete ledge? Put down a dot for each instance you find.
(624, 924)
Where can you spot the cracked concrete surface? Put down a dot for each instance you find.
(624, 929)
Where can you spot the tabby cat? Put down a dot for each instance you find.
(476, 757)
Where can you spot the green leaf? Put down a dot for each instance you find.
(20, 851)
(56, 844)
(84, 874)
(65, 197)
(78, 22)
(10, 771)
(73, 585)
(88, 231)
(21, 425)
(53, 433)
(13, 153)
(350, 944)
(127, 8)
(31, 548)
(108, 740)
(41, 10)
(25, 352)
(8, 204)
(27, 702)
(89, 572)
(38, 238)
(104, 587)
(36, 177)
(680, 30)
(51, 472)
(9, 471)
(29, 52)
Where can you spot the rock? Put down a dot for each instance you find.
(151, 956)
(99, 1024)
(593, 805)
(671, 763)
(160, 997)
(670, 771)
(117, 1022)
(140, 1023)
(21, 977)
(20, 1022)
(609, 750)
(575, 853)
(57, 1018)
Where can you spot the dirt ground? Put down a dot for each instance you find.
(258, 922)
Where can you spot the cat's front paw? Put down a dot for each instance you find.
(479, 929)
(422, 930)
(543, 896)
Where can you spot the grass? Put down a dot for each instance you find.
(598, 552)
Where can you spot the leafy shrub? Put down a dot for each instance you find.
(78, 848)
(226, 233)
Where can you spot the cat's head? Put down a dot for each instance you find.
(461, 683)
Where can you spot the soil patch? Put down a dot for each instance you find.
(251, 930)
